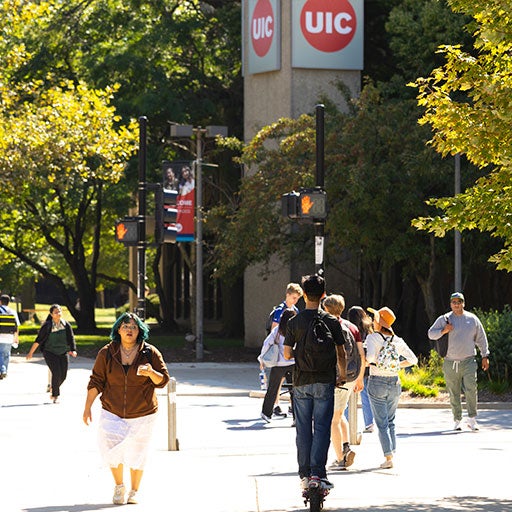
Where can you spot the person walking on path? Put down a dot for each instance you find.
(8, 333)
(126, 373)
(283, 368)
(465, 332)
(56, 341)
(386, 354)
(313, 387)
(335, 305)
(358, 316)
(293, 294)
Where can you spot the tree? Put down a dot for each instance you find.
(467, 103)
(61, 155)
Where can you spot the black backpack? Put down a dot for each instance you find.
(316, 352)
(353, 356)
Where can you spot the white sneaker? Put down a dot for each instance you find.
(304, 483)
(132, 498)
(118, 498)
(456, 425)
(265, 417)
(323, 483)
(472, 424)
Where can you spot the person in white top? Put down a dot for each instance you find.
(386, 354)
(283, 368)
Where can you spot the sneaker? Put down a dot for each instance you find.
(118, 498)
(304, 483)
(368, 429)
(387, 464)
(456, 425)
(278, 412)
(290, 410)
(132, 498)
(323, 483)
(472, 424)
(265, 417)
(337, 465)
(348, 458)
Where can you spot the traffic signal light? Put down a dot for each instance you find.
(306, 205)
(127, 231)
(166, 215)
(313, 204)
(290, 205)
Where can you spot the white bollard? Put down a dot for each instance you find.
(172, 441)
(354, 438)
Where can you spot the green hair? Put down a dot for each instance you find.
(125, 319)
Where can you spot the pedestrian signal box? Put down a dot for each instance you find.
(166, 214)
(127, 231)
(305, 205)
(313, 204)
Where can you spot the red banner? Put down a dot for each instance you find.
(179, 176)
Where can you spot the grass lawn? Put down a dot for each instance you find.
(88, 344)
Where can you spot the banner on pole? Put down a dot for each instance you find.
(179, 176)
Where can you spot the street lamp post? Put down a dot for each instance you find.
(457, 237)
(209, 131)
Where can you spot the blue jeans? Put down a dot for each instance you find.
(384, 393)
(365, 405)
(5, 355)
(313, 405)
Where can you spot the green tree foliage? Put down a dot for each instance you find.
(467, 103)
(61, 153)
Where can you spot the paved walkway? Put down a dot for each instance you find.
(229, 460)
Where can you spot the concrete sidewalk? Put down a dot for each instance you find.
(229, 460)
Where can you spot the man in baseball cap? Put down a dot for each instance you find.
(465, 333)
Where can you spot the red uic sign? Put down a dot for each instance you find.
(262, 27)
(328, 25)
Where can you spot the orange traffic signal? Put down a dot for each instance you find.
(127, 231)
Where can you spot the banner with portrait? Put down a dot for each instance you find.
(179, 177)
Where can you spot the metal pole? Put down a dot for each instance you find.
(172, 441)
(199, 249)
(320, 174)
(141, 248)
(457, 237)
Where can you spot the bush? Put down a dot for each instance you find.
(426, 379)
(498, 327)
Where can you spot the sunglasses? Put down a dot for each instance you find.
(456, 301)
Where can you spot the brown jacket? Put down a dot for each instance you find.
(127, 394)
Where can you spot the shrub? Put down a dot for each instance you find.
(498, 326)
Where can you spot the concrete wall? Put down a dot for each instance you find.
(269, 96)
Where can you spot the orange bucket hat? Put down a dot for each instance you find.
(384, 317)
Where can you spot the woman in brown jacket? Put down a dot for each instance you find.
(125, 374)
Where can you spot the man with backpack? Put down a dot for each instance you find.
(335, 304)
(9, 323)
(315, 339)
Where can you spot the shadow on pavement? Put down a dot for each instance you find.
(450, 504)
(71, 508)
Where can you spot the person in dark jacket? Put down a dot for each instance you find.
(56, 340)
(126, 373)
